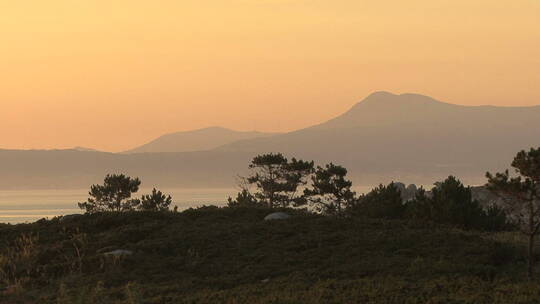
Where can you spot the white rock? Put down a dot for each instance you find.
(277, 216)
(119, 252)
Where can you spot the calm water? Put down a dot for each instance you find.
(18, 206)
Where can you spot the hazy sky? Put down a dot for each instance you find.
(112, 74)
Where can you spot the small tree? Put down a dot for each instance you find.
(331, 193)
(278, 179)
(420, 207)
(381, 202)
(522, 196)
(113, 195)
(156, 201)
(243, 199)
(452, 203)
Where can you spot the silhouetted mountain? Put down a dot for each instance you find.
(411, 137)
(383, 109)
(84, 149)
(197, 140)
(408, 137)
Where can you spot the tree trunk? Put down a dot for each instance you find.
(530, 256)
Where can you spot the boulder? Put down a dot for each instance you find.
(277, 216)
(399, 186)
(409, 193)
(118, 252)
(412, 188)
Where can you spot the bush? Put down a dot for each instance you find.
(381, 202)
(452, 203)
(156, 201)
(244, 199)
(495, 219)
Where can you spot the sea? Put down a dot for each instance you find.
(20, 206)
(24, 206)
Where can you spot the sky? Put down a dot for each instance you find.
(114, 74)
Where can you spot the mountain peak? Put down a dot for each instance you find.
(380, 95)
(386, 108)
(388, 98)
(213, 128)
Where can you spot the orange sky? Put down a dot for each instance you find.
(112, 74)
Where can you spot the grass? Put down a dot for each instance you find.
(230, 255)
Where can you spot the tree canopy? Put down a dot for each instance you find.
(381, 202)
(521, 192)
(278, 179)
(114, 195)
(156, 201)
(331, 191)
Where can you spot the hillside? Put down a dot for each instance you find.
(197, 140)
(226, 255)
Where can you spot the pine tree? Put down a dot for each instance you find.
(278, 180)
(113, 195)
(331, 193)
(381, 202)
(156, 201)
(522, 196)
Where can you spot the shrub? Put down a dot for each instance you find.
(156, 201)
(381, 202)
(452, 203)
(244, 199)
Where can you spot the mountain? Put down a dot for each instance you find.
(384, 109)
(197, 140)
(84, 149)
(408, 137)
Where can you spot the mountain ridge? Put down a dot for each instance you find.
(410, 139)
(409, 108)
(377, 143)
(195, 140)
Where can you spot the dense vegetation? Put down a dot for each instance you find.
(278, 182)
(230, 255)
(440, 246)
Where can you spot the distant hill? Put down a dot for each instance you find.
(415, 111)
(409, 137)
(197, 140)
(84, 149)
